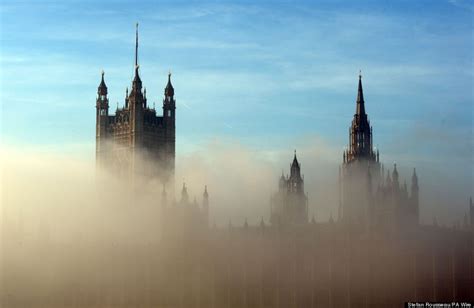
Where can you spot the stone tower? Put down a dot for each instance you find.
(360, 169)
(136, 142)
(290, 204)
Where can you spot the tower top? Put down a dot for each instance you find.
(295, 162)
(102, 89)
(137, 83)
(136, 45)
(360, 104)
(205, 194)
(169, 90)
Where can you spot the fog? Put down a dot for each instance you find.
(76, 236)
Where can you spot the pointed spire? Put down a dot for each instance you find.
(102, 89)
(206, 195)
(360, 108)
(414, 180)
(169, 90)
(137, 83)
(395, 173)
(295, 161)
(184, 193)
(136, 46)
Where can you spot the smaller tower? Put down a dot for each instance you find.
(395, 181)
(169, 125)
(169, 103)
(184, 194)
(102, 114)
(295, 182)
(414, 197)
(289, 205)
(205, 206)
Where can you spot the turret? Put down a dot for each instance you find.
(295, 182)
(395, 179)
(184, 194)
(415, 202)
(169, 123)
(169, 103)
(126, 98)
(205, 206)
(102, 114)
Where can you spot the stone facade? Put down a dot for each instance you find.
(136, 141)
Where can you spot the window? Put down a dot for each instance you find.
(169, 113)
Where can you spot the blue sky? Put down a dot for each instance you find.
(268, 75)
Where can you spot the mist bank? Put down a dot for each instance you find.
(60, 188)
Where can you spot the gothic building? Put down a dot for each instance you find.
(290, 204)
(366, 198)
(136, 141)
(184, 217)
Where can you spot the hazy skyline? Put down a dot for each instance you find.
(271, 77)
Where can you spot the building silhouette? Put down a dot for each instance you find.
(136, 141)
(183, 217)
(289, 205)
(368, 200)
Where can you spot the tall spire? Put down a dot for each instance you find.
(414, 179)
(137, 83)
(360, 108)
(295, 167)
(136, 46)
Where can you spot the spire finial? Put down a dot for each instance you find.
(360, 108)
(136, 46)
(360, 74)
